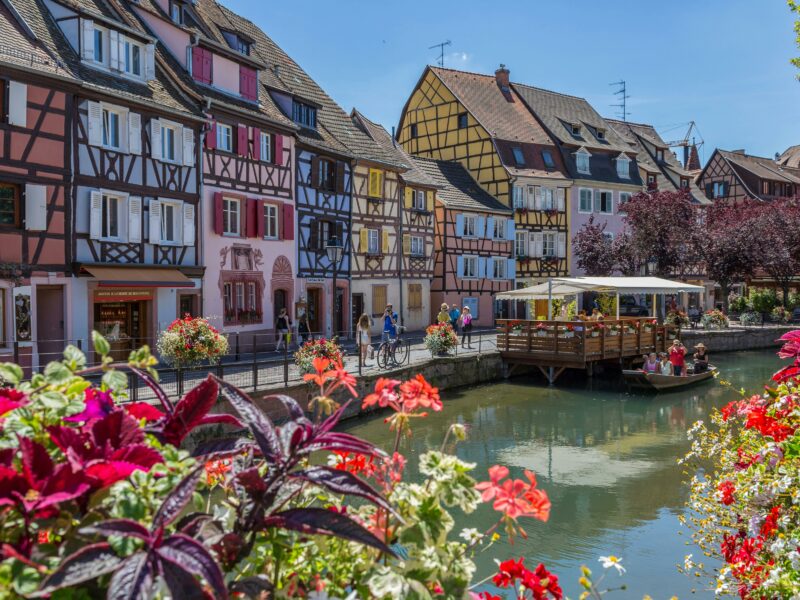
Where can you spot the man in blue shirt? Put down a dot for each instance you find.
(454, 315)
(389, 323)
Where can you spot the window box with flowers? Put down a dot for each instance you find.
(521, 210)
(614, 330)
(191, 341)
(597, 329)
(567, 332)
(541, 330)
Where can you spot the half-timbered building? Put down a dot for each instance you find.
(481, 122)
(471, 263)
(35, 245)
(247, 164)
(392, 221)
(733, 176)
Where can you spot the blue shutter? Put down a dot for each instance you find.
(511, 268)
(460, 265)
(510, 230)
(460, 225)
(480, 227)
(489, 227)
(481, 268)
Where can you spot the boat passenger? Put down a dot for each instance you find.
(596, 315)
(665, 365)
(651, 364)
(700, 359)
(677, 356)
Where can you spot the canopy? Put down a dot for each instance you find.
(569, 286)
(542, 291)
(138, 276)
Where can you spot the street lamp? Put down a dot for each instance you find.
(334, 251)
(652, 263)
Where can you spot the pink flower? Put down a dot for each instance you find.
(489, 488)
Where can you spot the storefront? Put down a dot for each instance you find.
(121, 316)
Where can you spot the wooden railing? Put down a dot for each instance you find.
(580, 342)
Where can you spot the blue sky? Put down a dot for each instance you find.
(722, 63)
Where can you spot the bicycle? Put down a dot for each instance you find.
(392, 353)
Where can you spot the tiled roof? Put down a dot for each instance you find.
(19, 48)
(458, 189)
(764, 168)
(790, 157)
(158, 92)
(413, 174)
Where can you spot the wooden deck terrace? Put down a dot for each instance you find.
(554, 346)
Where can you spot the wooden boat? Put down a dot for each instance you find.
(657, 383)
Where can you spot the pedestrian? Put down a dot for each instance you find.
(677, 356)
(444, 315)
(303, 328)
(466, 327)
(455, 315)
(283, 325)
(364, 336)
(389, 324)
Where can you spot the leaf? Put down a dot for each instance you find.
(74, 356)
(251, 481)
(84, 565)
(180, 581)
(189, 411)
(11, 373)
(115, 380)
(342, 482)
(101, 346)
(219, 448)
(325, 522)
(221, 418)
(57, 373)
(133, 580)
(342, 441)
(150, 382)
(253, 586)
(178, 499)
(295, 411)
(194, 557)
(259, 424)
(53, 400)
(124, 527)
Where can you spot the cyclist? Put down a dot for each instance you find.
(389, 324)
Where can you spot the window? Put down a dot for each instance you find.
(227, 297)
(132, 59)
(651, 180)
(252, 296)
(575, 128)
(176, 12)
(547, 157)
(521, 243)
(601, 134)
(266, 147)
(9, 205)
(519, 196)
(171, 222)
(549, 243)
(624, 197)
(304, 114)
(469, 226)
(470, 266)
(241, 300)
(417, 246)
(419, 200)
(270, 222)
(231, 216)
(375, 183)
(499, 268)
(112, 132)
(718, 189)
(239, 287)
(224, 137)
(413, 131)
(660, 154)
(519, 158)
(110, 217)
(415, 296)
(99, 45)
(378, 300)
(499, 232)
(548, 198)
(324, 233)
(3, 96)
(623, 167)
(373, 241)
(685, 184)
(171, 141)
(239, 44)
(609, 236)
(327, 175)
(585, 204)
(606, 202)
(582, 162)
(462, 120)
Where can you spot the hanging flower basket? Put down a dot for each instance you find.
(440, 339)
(191, 341)
(322, 348)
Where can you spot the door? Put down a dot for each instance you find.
(50, 332)
(339, 311)
(314, 309)
(358, 310)
(187, 305)
(278, 302)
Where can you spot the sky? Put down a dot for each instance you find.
(721, 63)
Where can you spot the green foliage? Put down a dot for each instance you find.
(608, 304)
(795, 8)
(738, 303)
(763, 300)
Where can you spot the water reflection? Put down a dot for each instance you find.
(606, 457)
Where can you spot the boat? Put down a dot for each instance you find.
(656, 383)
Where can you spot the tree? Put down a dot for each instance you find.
(593, 249)
(776, 227)
(628, 261)
(795, 8)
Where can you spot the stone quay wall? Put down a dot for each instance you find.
(735, 338)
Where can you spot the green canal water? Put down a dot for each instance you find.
(607, 459)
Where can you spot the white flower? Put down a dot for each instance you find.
(794, 558)
(612, 561)
(688, 564)
(470, 535)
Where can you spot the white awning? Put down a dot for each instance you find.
(570, 286)
(541, 291)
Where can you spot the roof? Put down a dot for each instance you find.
(458, 189)
(21, 47)
(568, 286)
(159, 92)
(763, 168)
(790, 157)
(414, 175)
(645, 140)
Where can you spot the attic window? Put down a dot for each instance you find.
(684, 183)
(576, 128)
(462, 120)
(660, 154)
(582, 162)
(548, 159)
(413, 129)
(236, 42)
(623, 167)
(304, 114)
(176, 12)
(519, 158)
(601, 134)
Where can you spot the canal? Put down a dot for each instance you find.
(607, 459)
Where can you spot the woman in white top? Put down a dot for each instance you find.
(665, 367)
(364, 336)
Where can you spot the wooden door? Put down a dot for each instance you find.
(315, 309)
(358, 310)
(279, 302)
(50, 332)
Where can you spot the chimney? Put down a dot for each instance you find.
(693, 163)
(501, 77)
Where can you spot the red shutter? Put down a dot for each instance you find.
(218, 213)
(241, 140)
(256, 143)
(207, 64)
(287, 232)
(211, 136)
(197, 64)
(260, 219)
(278, 158)
(252, 217)
(247, 83)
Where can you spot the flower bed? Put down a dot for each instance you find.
(191, 341)
(780, 315)
(677, 318)
(750, 318)
(321, 348)
(440, 338)
(714, 319)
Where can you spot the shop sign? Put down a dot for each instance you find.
(122, 295)
(315, 280)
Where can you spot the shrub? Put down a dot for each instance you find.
(321, 348)
(745, 490)
(794, 300)
(737, 303)
(751, 318)
(763, 300)
(677, 318)
(440, 338)
(191, 341)
(608, 304)
(780, 315)
(714, 319)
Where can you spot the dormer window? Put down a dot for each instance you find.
(99, 39)
(519, 158)
(132, 58)
(304, 114)
(576, 129)
(601, 134)
(176, 12)
(114, 51)
(241, 45)
(684, 183)
(623, 167)
(582, 161)
(548, 159)
(660, 154)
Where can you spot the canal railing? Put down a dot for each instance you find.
(554, 346)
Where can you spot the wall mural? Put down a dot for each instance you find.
(22, 317)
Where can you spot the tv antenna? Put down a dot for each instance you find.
(622, 92)
(441, 47)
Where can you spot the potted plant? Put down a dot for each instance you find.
(191, 341)
(677, 318)
(714, 319)
(614, 329)
(541, 330)
(648, 326)
(569, 331)
(321, 348)
(440, 339)
(597, 328)
(516, 327)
